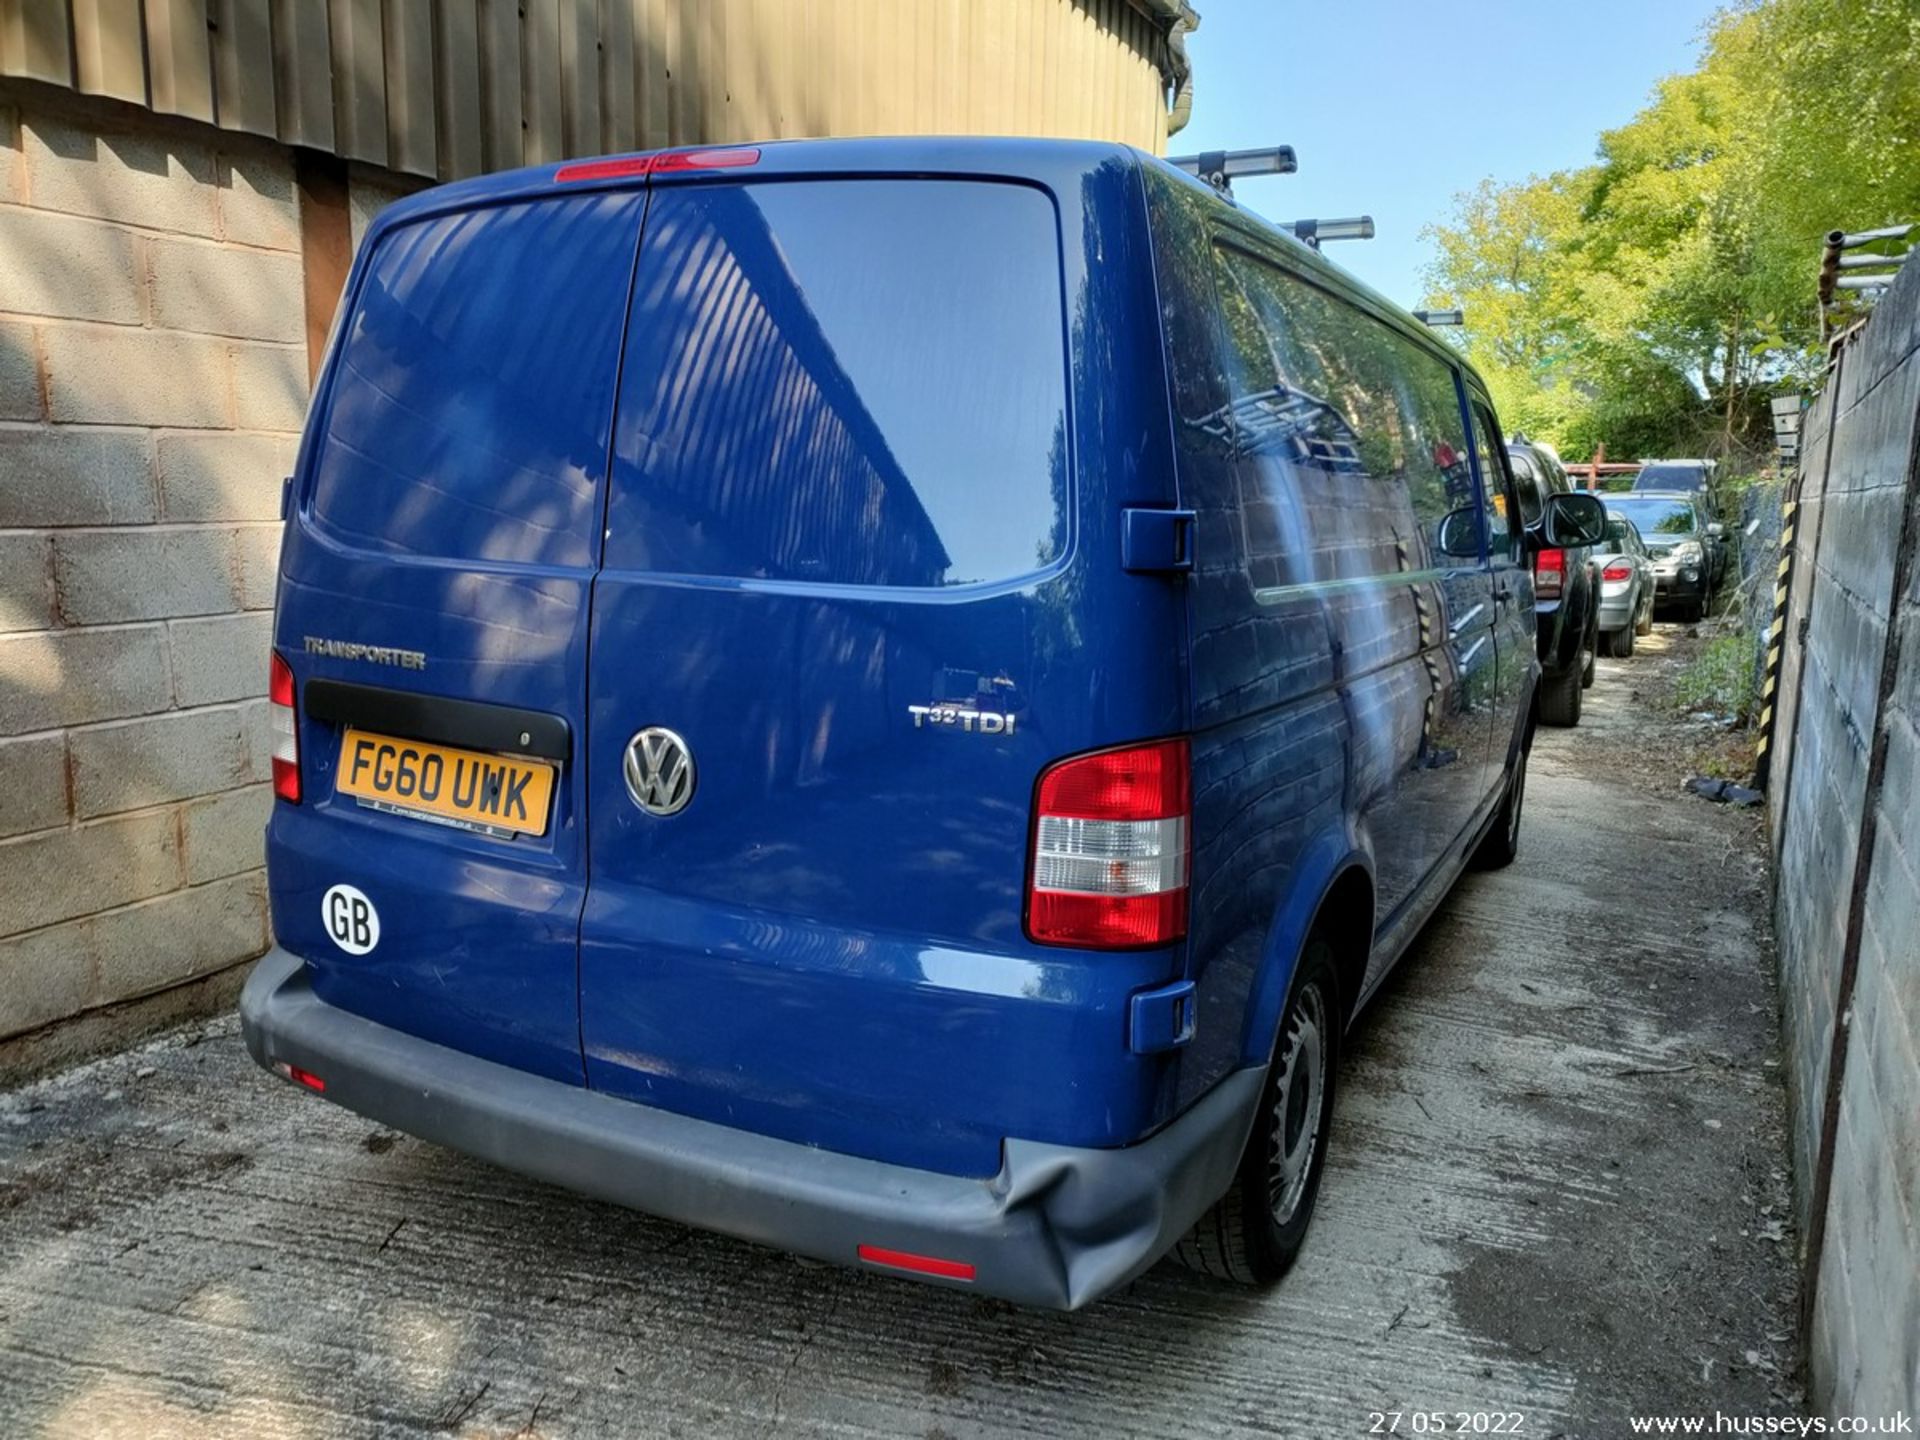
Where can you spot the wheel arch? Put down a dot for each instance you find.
(1338, 897)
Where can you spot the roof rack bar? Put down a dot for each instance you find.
(1315, 232)
(1220, 168)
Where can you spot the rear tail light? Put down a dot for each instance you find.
(1621, 571)
(1110, 841)
(629, 166)
(286, 731)
(1549, 574)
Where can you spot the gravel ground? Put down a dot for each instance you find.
(1557, 1189)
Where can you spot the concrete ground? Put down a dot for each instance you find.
(1557, 1188)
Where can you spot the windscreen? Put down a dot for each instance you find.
(844, 382)
(473, 391)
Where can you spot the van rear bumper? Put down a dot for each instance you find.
(1058, 1226)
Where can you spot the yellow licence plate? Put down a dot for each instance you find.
(467, 787)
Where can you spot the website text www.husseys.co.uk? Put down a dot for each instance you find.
(1723, 1424)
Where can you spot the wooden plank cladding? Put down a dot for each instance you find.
(446, 88)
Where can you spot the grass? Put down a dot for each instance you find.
(1720, 678)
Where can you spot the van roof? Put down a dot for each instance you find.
(999, 157)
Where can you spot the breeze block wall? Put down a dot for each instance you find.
(153, 380)
(1848, 914)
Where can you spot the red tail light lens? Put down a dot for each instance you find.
(286, 731)
(1619, 571)
(629, 166)
(1549, 574)
(626, 166)
(1110, 838)
(731, 158)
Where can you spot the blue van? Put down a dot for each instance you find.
(891, 699)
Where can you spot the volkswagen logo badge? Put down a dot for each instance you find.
(659, 770)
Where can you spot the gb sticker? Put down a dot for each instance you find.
(350, 919)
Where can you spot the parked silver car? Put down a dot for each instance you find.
(1626, 586)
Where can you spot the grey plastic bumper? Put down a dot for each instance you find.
(1057, 1227)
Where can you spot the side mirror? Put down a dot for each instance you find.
(1459, 533)
(1572, 520)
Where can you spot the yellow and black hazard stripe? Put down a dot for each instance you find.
(1776, 645)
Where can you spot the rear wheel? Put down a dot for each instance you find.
(1560, 698)
(1254, 1231)
(1618, 643)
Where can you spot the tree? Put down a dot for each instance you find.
(1652, 299)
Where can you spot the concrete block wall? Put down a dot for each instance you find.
(1857, 587)
(153, 380)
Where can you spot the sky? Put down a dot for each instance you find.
(1396, 106)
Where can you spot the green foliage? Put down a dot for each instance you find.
(1720, 679)
(1654, 299)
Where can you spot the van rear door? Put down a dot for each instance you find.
(849, 611)
(435, 589)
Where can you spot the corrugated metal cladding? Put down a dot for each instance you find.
(447, 88)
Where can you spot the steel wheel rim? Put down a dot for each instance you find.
(1299, 1105)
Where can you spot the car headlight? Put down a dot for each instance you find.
(1690, 550)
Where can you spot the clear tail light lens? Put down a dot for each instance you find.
(1110, 849)
(1549, 574)
(286, 731)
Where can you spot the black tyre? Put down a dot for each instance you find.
(1502, 845)
(1560, 699)
(1643, 622)
(1618, 643)
(1254, 1231)
(1588, 660)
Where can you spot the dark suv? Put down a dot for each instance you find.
(1566, 588)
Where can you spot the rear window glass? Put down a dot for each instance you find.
(473, 391)
(847, 381)
(1657, 517)
(1670, 477)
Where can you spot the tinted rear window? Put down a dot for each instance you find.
(1670, 477)
(1657, 517)
(473, 391)
(848, 381)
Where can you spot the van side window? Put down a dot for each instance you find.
(1503, 475)
(473, 390)
(856, 382)
(1344, 412)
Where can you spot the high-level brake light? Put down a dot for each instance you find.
(1110, 848)
(285, 724)
(632, 166)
